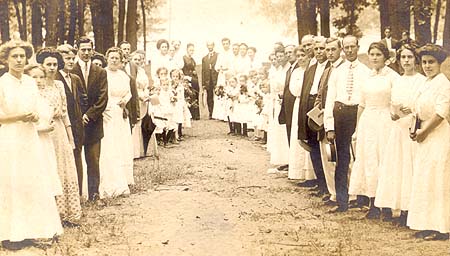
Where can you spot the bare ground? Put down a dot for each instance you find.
(212, 196)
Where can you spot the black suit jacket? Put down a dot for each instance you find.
(133, 105)
(76, 98)
(308, 81)
(97, 93)
(287, 103)
(209, 75)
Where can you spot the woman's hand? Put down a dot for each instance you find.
(419, 136)
(406, 110)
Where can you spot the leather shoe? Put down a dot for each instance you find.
(436, 236)
(373, 214)
(307, 184)
(330, 203)
(326, 198)
(338, 209)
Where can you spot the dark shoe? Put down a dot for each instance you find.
(436, 236)
(319, 193)
(331, 203)
(307, 184)
(386, 215)
(338, 209)
(353, 204)
(283, 167)
(373, 214)
(15, 246)
(423, 233)
(326, 198)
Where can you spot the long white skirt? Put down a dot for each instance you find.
(279, 142)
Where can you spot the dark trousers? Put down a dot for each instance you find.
(344, 126)
(79, 166)
(210, 99)
(92, 155)
(316, 158)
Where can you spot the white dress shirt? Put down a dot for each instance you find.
(85, 69)
(337, 89)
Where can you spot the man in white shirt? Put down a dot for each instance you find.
(340, 113)
(307, 98)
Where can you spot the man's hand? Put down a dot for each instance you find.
(331, 136)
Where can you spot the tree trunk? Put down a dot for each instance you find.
(325, 18)
(446, 37)
(36, 24)
(384, 16)
(108, 24)
(422, 21)
(95, 7)
(19, 19)
(24, 35)
(4, 20)
(399, 17)
(51, 22)
(436, 20)
(144, 25)
(306, 18)
(131, 27)
(72, 21)
(62, 22)
(121, 21)
(80, 18)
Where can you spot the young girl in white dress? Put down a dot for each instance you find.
(241, 107)
(232, 93)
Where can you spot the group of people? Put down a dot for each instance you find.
(69, 117)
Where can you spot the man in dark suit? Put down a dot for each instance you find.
(76, 98)
(388, 41)
(131, 69)
(94, 80)
(308, 96)
(333, 50)
(209, 75)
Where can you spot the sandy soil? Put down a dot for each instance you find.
(215, 198)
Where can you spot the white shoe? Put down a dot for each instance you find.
(272, 171)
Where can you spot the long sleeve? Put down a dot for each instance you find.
(96, 110)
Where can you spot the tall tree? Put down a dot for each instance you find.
(384, 15)
(306, 17)
(108, 20)
(351, 9)
(62, 22)
(72, 21)
(51, 19)
(24, 34)
(436, 20)
(399, 17)
(102, 24)
(4, 20)
(446, 37)
(36, 24)
(144, 24)
(19, 20)
(121, 21)
(422, 21)
(325, 18)
(80, 18)
(131, 27)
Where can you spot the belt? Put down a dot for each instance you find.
(342, 105)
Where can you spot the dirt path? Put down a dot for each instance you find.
(217, 199)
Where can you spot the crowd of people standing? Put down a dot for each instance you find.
(367, 137)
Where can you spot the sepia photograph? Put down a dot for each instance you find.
(216, 128)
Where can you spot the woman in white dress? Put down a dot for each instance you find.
(300, 166)
(373, 127)
(396, 170)
(28, 209)
(45, 127)
(116, 159)
(429, 207)
(161, 59)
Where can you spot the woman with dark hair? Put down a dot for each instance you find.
(99, 59)
(161, 59)
(429, 207)
(396, 170)
(373, 127)
(69, 203)
(191, 75)
(116, 160)
(28, 209)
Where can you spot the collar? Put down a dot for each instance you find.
(337, 63)
(82, 63)
(382, 72)
(323, 64)
(63, 73)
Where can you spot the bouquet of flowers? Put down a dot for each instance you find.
(219, 91)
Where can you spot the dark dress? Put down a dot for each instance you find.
(189, 70)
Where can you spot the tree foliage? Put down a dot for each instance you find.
(350, 10)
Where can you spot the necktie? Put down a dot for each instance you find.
(349, 85)
(69, 83)
(86, 73)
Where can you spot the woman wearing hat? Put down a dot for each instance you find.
(396, 170)
(373, 127)
(429, 208)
